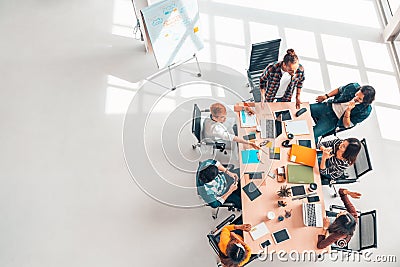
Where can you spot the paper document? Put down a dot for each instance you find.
(297, 127)
(259, 230)
(250, 156)
(247, 120)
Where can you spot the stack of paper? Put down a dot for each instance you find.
(258, 231)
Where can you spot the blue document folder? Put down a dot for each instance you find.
(250, 156)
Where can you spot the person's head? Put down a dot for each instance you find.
(290, 62)
(344, 224)
(235, 254)
(218, 112)
(350, 148)
(208, 174)
(366, 95)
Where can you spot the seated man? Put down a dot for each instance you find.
(217, 185)
(351, 105)
(214, 128)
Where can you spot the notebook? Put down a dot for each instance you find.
(299, 174)
(275, 153)
(250, 156)
(297, 127)
(251, 191)
(259, 230)
(247, 120)
(303, 155)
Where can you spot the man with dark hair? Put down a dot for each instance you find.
(351, 105)
(217, 185)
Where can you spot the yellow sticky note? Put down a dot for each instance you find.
(277, 150)
(195, 29)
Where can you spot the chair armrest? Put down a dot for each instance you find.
(331, 207)
(224, 222)
(344, 181)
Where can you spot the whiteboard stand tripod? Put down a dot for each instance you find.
(174, 65)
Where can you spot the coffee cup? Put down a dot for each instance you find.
(270, 215)
(312, 187)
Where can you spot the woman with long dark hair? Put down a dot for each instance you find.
(234, 252)
(342, 229)
(337, 156)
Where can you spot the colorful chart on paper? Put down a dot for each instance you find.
(174, 30)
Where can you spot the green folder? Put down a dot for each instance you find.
(300, 174)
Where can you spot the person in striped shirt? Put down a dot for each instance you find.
(337, 156)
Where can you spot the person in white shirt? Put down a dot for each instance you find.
(215, 129)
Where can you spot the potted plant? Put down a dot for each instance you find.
(284, 191)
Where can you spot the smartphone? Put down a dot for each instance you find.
(249, 137)
(313, 199)
(265, 244)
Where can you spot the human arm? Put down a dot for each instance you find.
(344, 193)
(326, 154)
(242, 141)
(298, 89)
(346, 116)
(324, 97)
(223, 169)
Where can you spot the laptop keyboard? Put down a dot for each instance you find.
(312, 214)
(267, 129)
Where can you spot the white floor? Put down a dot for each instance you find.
(69, 70)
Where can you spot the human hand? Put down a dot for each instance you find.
(233, 187)
(233, 175)
(246, 227)
(326, 152)
(352, 194)
(298, 103)
(326, 223)
(249, 111)
(254, 145)
(351, 105)
(320, 98)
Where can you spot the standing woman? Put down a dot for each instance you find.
(279, 80)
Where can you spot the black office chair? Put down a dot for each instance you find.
(365, 234)
(262, 54)
(197, 124)
(361, 166)
(213, 236)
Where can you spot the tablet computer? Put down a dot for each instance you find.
(298, 190)
(286, 115)
(306, 143)
(280, 236)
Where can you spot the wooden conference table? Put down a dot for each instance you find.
(254, 212)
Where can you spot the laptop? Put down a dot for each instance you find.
(312, 214)
(299, 174)
(303, 155)
(270, 128)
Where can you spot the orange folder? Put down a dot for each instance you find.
(303, 155)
